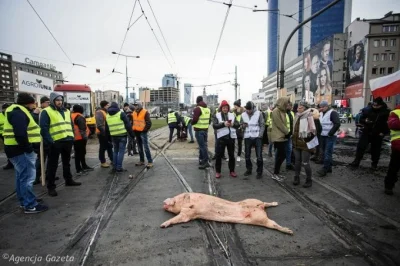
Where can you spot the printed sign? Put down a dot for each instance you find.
(78, 97)
(34, 84)
(258, 97)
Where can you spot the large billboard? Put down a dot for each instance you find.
(317, 72)
(355, 70)
(34, 84)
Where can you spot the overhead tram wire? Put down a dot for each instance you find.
(220, 36)
(166, 44)
(231, 4)
(155, 36)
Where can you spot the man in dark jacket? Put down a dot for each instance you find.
(201, 121)
(57, 132)
(131, 141)
(173, 121)
(105, 143)
(141, 125)
(375, 127)
(21, 133)
(118, 128)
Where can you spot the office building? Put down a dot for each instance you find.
(169, 81)
(291, 13)
(165, 98)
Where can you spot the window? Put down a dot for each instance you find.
(376, 43)
(383, 57)
(391, 57)
(390, 70)
(387, 99)
(50, 76)
(384, 43)
(382, 71)
(390, 28)
(376, 57)
(350, 43)
(393, 42)
(351, 33)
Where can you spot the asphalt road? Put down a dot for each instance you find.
(344, 219)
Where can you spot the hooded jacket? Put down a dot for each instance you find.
(217, 125)
(196, 115)
(394, 124)
(377, 120)
(45, 121)
(112, 110)
(279, 132)
(147, 119)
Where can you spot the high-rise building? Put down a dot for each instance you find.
(291, 13)
(6, 80)
(187, 93)
(170, 81)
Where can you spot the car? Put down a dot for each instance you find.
(343, 119)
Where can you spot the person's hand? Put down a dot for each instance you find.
(227, 124)
(244, 125)
(36, 111)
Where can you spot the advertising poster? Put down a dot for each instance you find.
(317, 72)
(34, 84)
(355, 70)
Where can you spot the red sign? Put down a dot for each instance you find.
(354, 91)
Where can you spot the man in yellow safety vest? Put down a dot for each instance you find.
(200, 121)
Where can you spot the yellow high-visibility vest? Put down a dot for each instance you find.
(171, 118)
(60, 127)
(186, 119)
(395, 134)
(33, 128)
(204, 119)
(288, 119)
(2, 118)
(268, 121)
(116, 125)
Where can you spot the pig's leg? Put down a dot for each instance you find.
(184, 216)
(273, 225)
(270, 204)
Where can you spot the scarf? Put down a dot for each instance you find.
(307, 124)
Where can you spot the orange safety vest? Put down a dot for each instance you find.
(104, 116)
(139, 122)
(77, 131)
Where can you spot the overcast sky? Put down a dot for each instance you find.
(90, 30)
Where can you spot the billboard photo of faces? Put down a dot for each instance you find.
(317, 73)
(355, 64)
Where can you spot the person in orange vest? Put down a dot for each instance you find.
(141, 125)
(104, 143)
(81, 133)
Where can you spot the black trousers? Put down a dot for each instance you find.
(376, 144)
(280, 155)
(131, 147)
(240, 144)
(394, 167)
(80, 153)
(171, 132)
(105, 145)
(230, 145)
(64, 148)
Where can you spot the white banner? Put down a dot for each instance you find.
(78, 97)
(34, 84)
(258, 97)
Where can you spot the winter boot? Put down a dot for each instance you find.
(308, 183)
(296, 180)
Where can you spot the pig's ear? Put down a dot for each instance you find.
(169, 201)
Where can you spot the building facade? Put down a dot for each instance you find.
(291, 13)
(7, 79)
(112, 96)
(169, 81)
(166, 98)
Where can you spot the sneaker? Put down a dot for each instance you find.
(37, 209)
(204, 166)
(192, 141)
(38, 200)
(105, 165)
(139, 164)
(277, 177)
(121, 170)
(149, 165)
(233, 174)
(217, 175)
(308, 183)
(247, 173)
(259, 175)
(79, 173)
(238, 159)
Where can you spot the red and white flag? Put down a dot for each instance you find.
(386, 86)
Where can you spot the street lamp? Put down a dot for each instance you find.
(126, 61)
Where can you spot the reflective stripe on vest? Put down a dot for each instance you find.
(226, 130)
(104, 117)
(395, 134)
(2, 118)
(204, 118)
(116, 125)
(186, 119)
(253, 128)
(171, 118)
(77, 131)
(326, 122)
(33, 129)
(60, 127)
(139, 122)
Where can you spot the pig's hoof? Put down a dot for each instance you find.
(164, 225)
(274, 203)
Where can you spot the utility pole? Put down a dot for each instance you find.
(236, 85)
(126, 69)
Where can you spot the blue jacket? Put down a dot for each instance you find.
(112, 110)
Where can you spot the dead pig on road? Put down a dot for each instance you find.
(191, 206)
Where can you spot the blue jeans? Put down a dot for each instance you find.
(189, 128)
(201, 137)
(143, 141)
(288, 148)
(25, 174)
(327, 145)
(119, 144)
(248, 144)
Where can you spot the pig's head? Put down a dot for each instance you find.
(172, 206)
